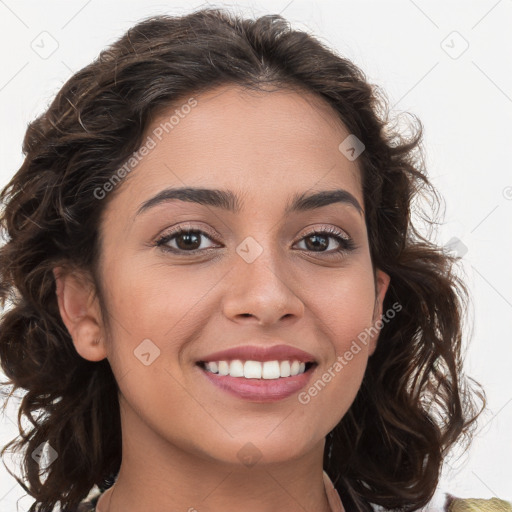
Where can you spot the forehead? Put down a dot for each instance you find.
(261, 143)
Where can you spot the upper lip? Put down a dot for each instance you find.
(260, 353)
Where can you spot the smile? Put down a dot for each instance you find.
(258, 381)
(257, 369)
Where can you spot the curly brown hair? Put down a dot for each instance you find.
(415, 401)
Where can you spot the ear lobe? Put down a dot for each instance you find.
(382, 285)
(80, 313)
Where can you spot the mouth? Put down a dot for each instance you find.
(268, 370)
(258, 381)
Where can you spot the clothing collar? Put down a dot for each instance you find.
(333, 496)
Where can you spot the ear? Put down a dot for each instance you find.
(381, 287)
(80, 313)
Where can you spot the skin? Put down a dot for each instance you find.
(181, 434)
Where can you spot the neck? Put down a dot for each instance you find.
(157, 475)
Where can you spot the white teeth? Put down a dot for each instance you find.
(285, 368)
(271, 370)
(252, 370)
(236, 368)
(223, 368)
(256, 369)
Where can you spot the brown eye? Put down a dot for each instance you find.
(321, 241)
(188, 240)
(184, 240)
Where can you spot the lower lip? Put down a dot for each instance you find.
(260, 390)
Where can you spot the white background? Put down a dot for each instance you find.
(464, 100)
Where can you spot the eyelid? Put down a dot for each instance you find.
(329, 229)
(189, 227)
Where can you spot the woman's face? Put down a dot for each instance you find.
(255, 276)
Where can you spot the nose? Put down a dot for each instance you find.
(262, 292)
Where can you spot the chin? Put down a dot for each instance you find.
(260, 450)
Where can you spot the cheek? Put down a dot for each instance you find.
(341, 303)
(157, 298)
(156, 310)
(150, 308)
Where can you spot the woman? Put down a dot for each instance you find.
(218, 297)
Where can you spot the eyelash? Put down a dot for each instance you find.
(346, 244)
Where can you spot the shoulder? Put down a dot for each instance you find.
(454, 504)
(450, 503)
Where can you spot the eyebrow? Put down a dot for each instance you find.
(228, 200)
